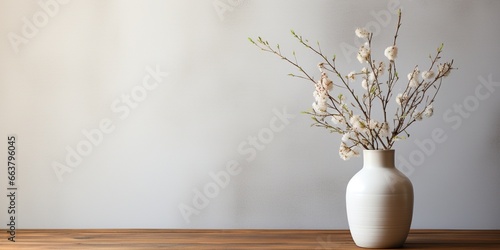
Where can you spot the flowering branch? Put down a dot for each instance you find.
(364, 130)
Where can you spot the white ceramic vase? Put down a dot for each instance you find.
(379, 201)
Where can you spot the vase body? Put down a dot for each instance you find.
(379, 202)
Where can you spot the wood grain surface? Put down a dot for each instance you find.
(237, 239)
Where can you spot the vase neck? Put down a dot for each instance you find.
(378, 158)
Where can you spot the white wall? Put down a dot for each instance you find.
(72, 73)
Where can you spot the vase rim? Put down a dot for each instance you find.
(378, 149)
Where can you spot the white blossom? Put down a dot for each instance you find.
(391, 52)
(320, 91)
(362, 33)
(363, 53)
(373, 124)
(444, 69)
(427, 75)
(417, 115)
(429, 110)
(315, 95)
(364, 70)
(346, 136)
(346, 152)
(413, 78)
(319, 108)
(354, 119)
(360, 58)
(401, 99)
(371, 76)
(364, 84)
(338, 119)
(358, 125)
(326, 82)
(384, 130)
(352, 75)
(320, 96)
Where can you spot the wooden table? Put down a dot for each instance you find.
(237, 239)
